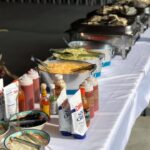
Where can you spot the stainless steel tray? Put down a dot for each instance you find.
(103, 29)
(121, 43)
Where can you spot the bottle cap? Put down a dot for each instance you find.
(25, 80)
(43, 86)
(52, 86)
(33, 74)
(59, 76)
(88, 87)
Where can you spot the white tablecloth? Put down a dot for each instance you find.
(124, 94)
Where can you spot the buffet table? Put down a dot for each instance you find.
(124, 94)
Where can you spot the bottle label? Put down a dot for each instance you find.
(46, 109)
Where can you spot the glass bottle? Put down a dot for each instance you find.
(86, 107)
(53, 100)
(59, 84)
(45, 104)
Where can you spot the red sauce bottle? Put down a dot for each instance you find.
(86, 107)
(93, 81)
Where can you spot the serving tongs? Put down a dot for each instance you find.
(40, 62)
(23, 122)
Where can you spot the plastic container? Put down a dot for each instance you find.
(93, 81)
(26, 84)
(33, 74)
(90, 98)
(21, 101)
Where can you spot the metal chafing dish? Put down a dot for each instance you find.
(120, 37)
(106, 49)
(140, 15)
(73, 80)
(143, 11)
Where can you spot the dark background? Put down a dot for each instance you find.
(33, 29)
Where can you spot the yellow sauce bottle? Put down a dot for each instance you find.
(45, 104)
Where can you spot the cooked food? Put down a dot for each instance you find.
(64, 67)
(136, 3)
(124, 2)
(32, 138)
(109, 20)
(75, 54)
(141, 3)
(115, 9)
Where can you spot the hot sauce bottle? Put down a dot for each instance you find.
(86, 107)
(45, 104)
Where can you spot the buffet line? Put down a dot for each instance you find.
(66, 83)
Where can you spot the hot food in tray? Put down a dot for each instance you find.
(109, 20)
(117, 9)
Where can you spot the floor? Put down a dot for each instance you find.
(140, 135)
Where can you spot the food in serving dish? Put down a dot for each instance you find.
(76, 54)
(141, 3)
(29, 119)
(33, 139)
(110, 20)
(65, 67)
(115, 9)
(136, 3)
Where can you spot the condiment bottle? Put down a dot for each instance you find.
(21, 101)
(26, 84)
(59, 84)
(86, 107)
(90, 98)
(93, 81)
(53, 100)
(45, 104)
(33, 74)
